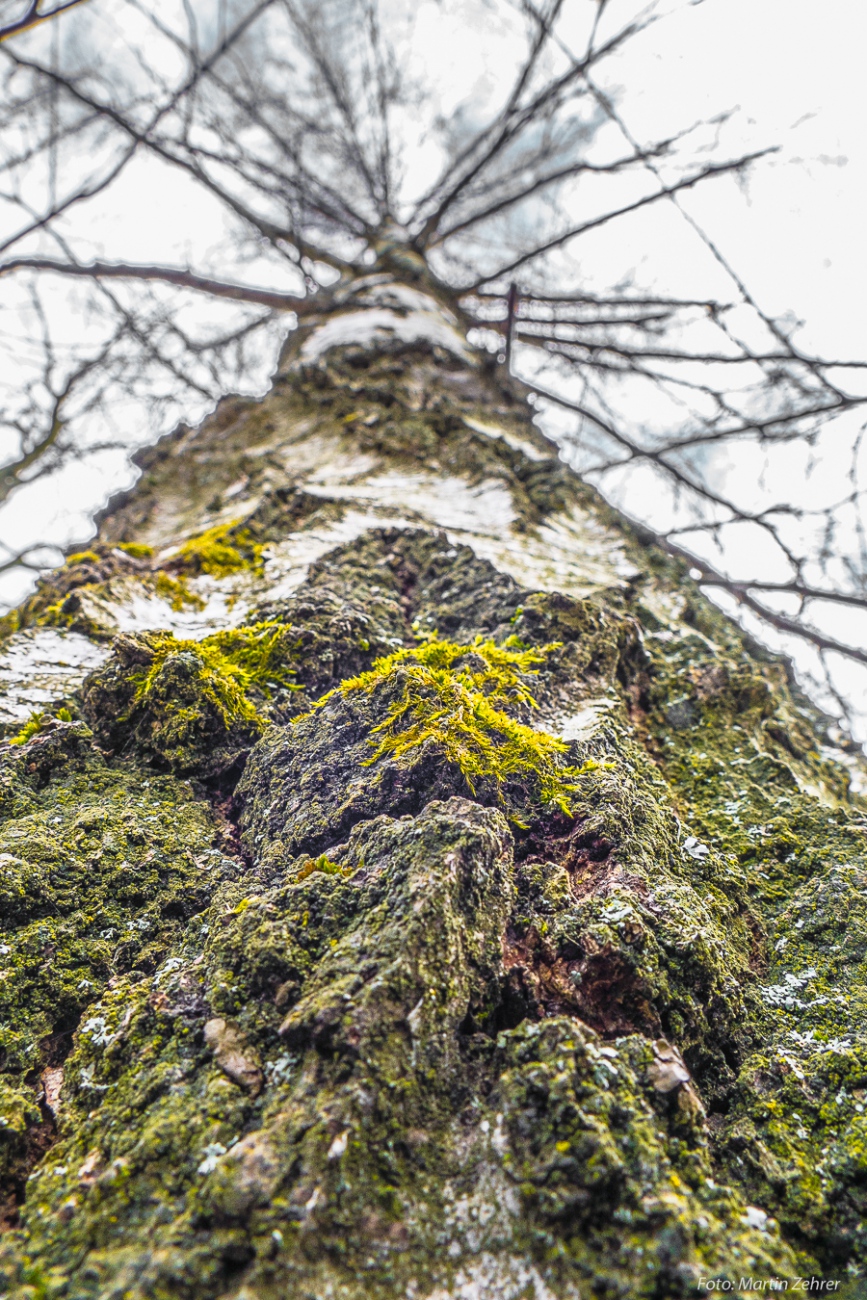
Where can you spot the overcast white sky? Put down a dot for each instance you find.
(794, 71)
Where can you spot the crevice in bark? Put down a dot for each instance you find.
(45, 1083)
(37, 1142)
(599, 987)
(227, 811)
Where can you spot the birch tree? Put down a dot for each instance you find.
(412, 884)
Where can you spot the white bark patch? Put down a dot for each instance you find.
(175, 517)
(572, 553)
(586, 722)
(443, 501)
(287, 563)
(511, 439)
(144, 612)
(43, 665)
(389, 311)
(373, 325)
(340, 469)
(403, 298)
(126, 605)
(506, 1277)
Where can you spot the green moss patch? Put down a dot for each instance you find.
(294, 1101)
(138, 550)
(189, 704)
(220, 551)
(83, 557)
(742, 754)
(455, 698)
(36, 723)
(100, 870)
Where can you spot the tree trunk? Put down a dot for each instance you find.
(333, 965)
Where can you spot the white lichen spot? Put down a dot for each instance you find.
(280, 1070)
(499, 1138)
(785, 995)
(96, 1029)
(168, 967)
(210, 1157)
(339, 1145)
(86, 1082)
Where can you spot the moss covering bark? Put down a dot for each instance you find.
(424, 930)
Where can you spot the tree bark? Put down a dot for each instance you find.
(336, 965)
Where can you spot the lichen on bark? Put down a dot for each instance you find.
(333, 965)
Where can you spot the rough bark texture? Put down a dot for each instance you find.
(334, 971)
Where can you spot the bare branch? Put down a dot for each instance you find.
(741, 589)
(32, 455)
(510, 122)
(688, 182)
(164, 274)
(33, 15)
(535, 187)
(742, 592)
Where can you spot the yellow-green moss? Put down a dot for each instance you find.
(83, 557)
(10, 623)
(233, 663)
(189, 705)
(323, 863)
(35, 723)
(222, 550)
(456, 696)
(177, 592)
(260, 652)
(137, 550)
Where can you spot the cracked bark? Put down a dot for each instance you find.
(312, 1024)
